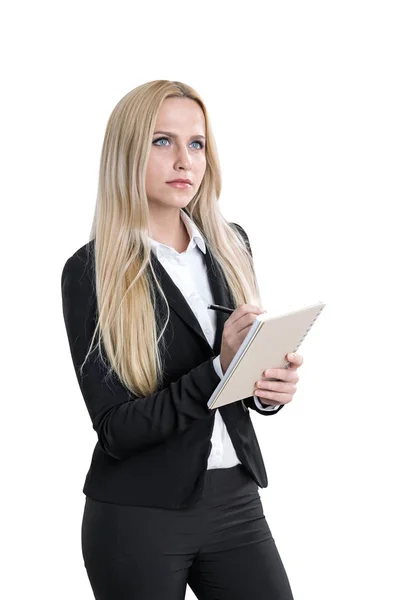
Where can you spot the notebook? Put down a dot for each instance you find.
(270, 338)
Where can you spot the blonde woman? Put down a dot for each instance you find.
(172, 489)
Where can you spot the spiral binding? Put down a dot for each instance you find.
(298, 345)
(295, 350)
(307, 330)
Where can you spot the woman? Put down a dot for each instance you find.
(172, 490)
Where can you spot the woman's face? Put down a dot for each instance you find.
(177, 152)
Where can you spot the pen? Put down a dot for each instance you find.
(224, 309)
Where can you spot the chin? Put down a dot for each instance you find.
(176, 202)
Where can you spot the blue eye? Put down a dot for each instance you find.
(165, 138)
(159, 140)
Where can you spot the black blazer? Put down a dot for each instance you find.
(153, 451)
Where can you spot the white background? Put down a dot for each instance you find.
(304, 103)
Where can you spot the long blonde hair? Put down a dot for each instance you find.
(120, 230)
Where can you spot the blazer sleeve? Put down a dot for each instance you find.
(124, 422)
(249, 401)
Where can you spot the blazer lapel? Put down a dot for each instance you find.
(180, 306)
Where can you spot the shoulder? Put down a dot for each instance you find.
(244, 235)
(79, 264)
(239, 228)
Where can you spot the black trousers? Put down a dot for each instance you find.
(222, 548)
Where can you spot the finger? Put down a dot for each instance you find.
(296, 360)
(282, 374)
(287, 387)
(242, 312)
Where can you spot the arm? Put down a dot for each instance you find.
(253, 402)
(126, 423)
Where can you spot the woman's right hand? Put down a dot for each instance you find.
(236, 327)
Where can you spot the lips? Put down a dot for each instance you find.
(180, 181)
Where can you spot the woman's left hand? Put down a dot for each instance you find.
(282, 391)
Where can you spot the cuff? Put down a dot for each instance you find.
(261, 406)
(217, 366)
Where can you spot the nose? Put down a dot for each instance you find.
(183, 157)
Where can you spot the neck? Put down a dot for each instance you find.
(168, 228)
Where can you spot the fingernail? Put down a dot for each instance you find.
(291, 355)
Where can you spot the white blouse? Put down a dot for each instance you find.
(188, 272)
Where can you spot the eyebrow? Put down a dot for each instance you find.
(174, 135)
